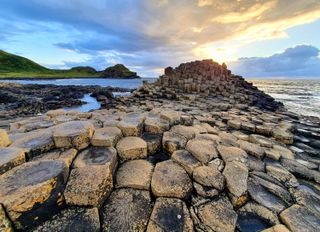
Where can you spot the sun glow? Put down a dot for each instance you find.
(217, 53)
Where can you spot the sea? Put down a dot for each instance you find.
(298, 96)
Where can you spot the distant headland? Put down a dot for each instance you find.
(18, 67)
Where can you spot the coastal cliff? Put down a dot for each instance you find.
(199, 150)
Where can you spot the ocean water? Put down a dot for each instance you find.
(299, 96)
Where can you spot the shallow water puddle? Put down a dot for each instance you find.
(249, 222)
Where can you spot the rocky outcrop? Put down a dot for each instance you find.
(118, 71)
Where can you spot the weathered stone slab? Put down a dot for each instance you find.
(229, 154)
(153, 142)
(10, 157)
(203, 150)
(106, 137)
(170, 215)
(132, 148)
(89, 185)
(4, 138)
(282, 135)
(72, 219)
(156, 125)
(131, 127)
(134, 174)
(261, 140)
(173, 117)
(5, 223)
(209, 177)
(32, 192)
(126, 210)
(252, 149)
(217, 215)
(186, 160)
(172, 142)
(236, 175)
(187, 131)
(75, 134)
(170, 180)
(300, 219)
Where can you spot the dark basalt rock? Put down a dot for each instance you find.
(118, 71)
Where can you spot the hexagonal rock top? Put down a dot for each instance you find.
(106, 137)
(131, 127)
(72, 219)
(171, 215)
(4, 139)
(170, 180)
(10, 157)
(132, 148)
(32, 192)
(35, 143)
(126, 210)
(96, 156)
(172, 142)
(202, 149)
(173, 117)
(209, 177)
(134, 174)
(75, 134)
(230, 154)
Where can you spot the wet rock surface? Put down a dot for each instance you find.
(221, 158)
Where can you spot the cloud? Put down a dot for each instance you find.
(298, 61)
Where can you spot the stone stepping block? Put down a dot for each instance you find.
(236, 175)
(67, 156)
(234, 124)
(170, 180)
(35, 143)
(202, 149)
(134, 174)
(228, 139)
(72, 219)
(126, 210)
(298, 218)
(171, 215)
(279, 151)
(4, 138)
(173, 117)
(75, 134)
(153, 142)
(10, 157)
(209, 177)
(156, 125)
(96, 156)
(131, 127)
(186, 160)
(282, 135)
(229, 154)
(32, 192)
(130, 148)
(261, 140)
(172, 142)
(187, 131)
(217, 215)
(247, 126)
(89, 185)
(252, 149)
(106, 137)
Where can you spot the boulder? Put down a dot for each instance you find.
(156, 125)
(217, 215)
(32, 192)
(10, 157)
(203, 150)
(209, 177)
(172, 142)
(75, 134)
(171, 215)
(229, 154)
(89, 185)
(126, 210)
(106, 137)
(134, 174)
(236, 175)
(186, 160)
(4, 138)
(153, 142)
(72, 219)
(170, 180)
(131, 127)
(298, 219)
(132, 148)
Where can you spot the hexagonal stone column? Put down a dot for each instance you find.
(10, 157)
(75, 134)
(172, 142)
(4, 139)
(202, 149)
(106, 137)
(170, 214)
(32, 192)
(131, 127)
(170, 180)
(132, 148)
(126, 210)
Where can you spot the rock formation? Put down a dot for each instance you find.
(165, 160)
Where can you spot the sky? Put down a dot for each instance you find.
(255, 38)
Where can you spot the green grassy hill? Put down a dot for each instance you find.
(13, 66)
